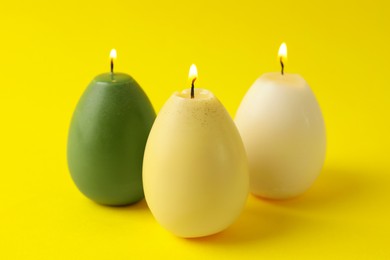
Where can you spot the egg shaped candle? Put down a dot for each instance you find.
(283, 131)
(195, 172)
(107, 138)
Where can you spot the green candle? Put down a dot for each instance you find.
(107, 138)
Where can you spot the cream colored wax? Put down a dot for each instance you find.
(195, 171)
(284, 135)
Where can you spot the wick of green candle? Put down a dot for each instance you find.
(192, 88)
(281, 63)
(112, 66)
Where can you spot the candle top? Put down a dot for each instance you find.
(201, 110)
(113, 78)
(200, 94)
(288, 79)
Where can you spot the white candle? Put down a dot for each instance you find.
(195, 171)
(283, 131)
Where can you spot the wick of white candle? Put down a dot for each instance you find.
(281, 63)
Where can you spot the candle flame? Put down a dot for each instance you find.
(193, 74)
(283, 51)
(113, 54)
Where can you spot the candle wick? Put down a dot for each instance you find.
(112, 66)
(281, 63)
(192, 88)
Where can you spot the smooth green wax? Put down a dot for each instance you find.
(107, 138)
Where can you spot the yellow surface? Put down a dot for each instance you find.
(50, 50)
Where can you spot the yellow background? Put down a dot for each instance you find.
(50, 51)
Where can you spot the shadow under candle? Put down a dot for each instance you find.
(264, 219)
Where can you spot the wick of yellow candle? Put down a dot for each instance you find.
(192, 88)
(193, 75)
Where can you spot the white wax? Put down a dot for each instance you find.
(283, 131)
(195, 171)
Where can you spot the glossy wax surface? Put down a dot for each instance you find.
(107, 138)
(195, 168)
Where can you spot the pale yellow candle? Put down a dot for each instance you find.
(283, 131)
(195, 171)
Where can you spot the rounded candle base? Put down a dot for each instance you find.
(107, 138)
(195, 171)
(283, 131)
